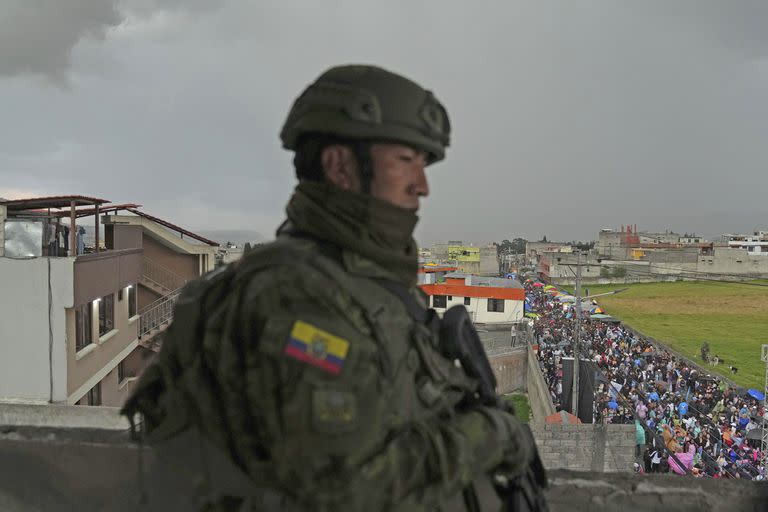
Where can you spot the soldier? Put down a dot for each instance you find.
(302, 362)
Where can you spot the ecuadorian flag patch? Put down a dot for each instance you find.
(317, 347)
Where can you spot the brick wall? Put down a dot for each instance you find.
(598, 447)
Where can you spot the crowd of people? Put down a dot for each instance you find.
(687, 422)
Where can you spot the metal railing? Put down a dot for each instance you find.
(160, 275)
(158, 313)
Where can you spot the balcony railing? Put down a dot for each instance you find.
(158, 313)
(160, 275)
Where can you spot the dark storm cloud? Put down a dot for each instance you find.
(37, 37)
(568, 116)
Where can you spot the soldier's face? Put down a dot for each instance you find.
(399, 175)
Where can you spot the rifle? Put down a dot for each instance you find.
(459, 341)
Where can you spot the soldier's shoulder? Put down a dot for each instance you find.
(288, 270)
(283, 259)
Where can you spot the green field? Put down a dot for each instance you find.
(522, 407)
(732, 317)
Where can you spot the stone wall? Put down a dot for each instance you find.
(584, 447)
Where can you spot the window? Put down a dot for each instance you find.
(467, 301)
(131, 301)
(119, 295)
(124, 371)
(438, 301)
(496, 305)
(450, 297)
(83, 322)
(106, 314)
(92, 397)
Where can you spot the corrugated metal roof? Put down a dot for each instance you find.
(83, 212)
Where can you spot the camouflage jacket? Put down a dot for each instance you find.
(318, 384)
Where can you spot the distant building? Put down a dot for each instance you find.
(468, 258)
(612, 244)
(691, 239)
(754, 244)
(489, 300)
(667, 237)
(77, 321)
(535, 249)
(432, 273)
(171, 256)
(68, 315)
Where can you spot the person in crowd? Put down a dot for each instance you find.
(681, 409)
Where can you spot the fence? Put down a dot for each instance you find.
(161, 275)
(158, 313)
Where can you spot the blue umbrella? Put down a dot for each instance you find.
(755, 394)
(613, 405)
(682, 408)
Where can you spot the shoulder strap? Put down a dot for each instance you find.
(414, 309)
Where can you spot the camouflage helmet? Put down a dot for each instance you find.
(369, 103)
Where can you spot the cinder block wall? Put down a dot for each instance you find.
(598, 447)
(510, 371)
(538, 393)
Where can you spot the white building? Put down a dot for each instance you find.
(68, 320)
(754, 244)
(489, 300)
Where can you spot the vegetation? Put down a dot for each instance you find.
(521, 405)
(731, 317)
(516, 246)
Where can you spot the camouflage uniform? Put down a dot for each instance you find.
(312, 377)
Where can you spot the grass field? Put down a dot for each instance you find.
(731, 317)
(522, 407)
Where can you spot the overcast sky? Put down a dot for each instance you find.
(568, 116)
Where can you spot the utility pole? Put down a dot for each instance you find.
(764, 446)
(577, 338)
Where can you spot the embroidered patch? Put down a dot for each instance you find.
(317, 347)
(334, 411)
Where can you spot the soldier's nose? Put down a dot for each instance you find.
(421, 187)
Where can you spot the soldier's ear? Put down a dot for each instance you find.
(340, 167)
